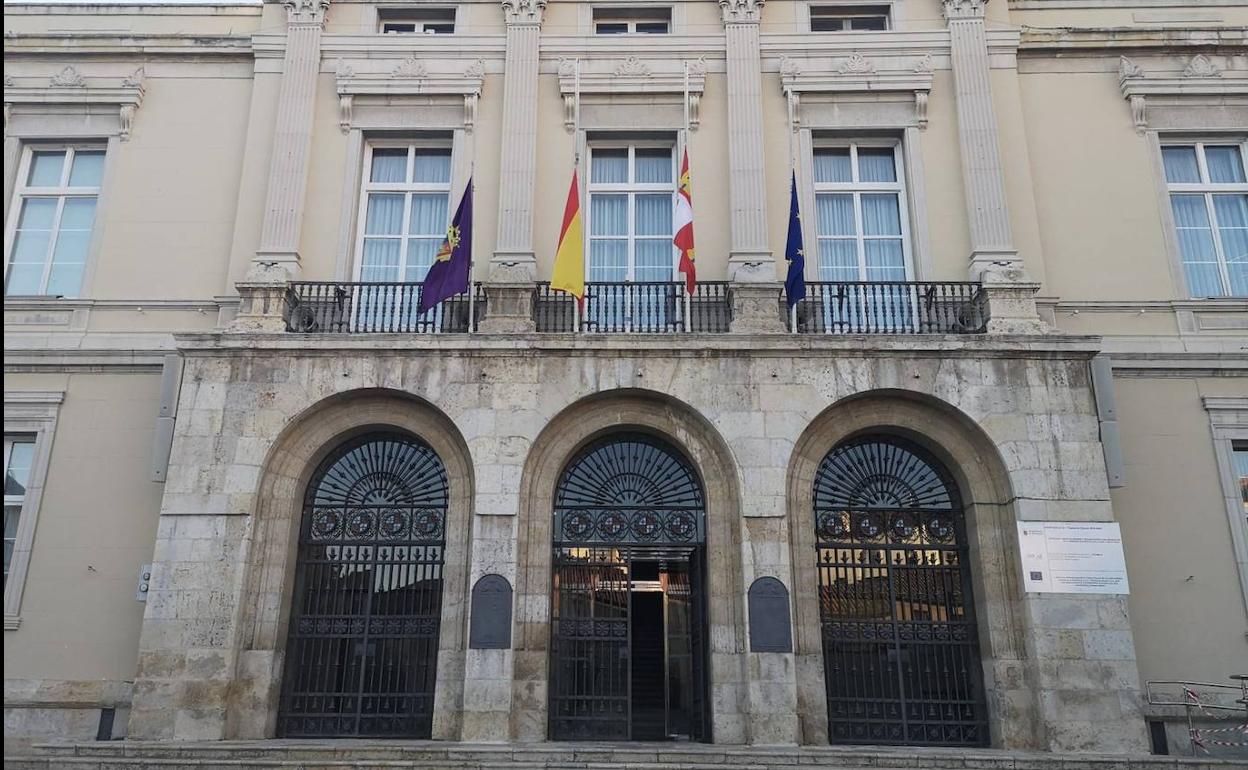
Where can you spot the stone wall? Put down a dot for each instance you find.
(1013, 417)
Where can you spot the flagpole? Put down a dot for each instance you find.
(685, 153)
(576, 166)
(472, 289)
(793, 181)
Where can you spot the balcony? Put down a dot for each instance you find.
(652, 308)
(909, 307)
(635, 308)
(329, 307)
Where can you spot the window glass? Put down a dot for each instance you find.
(832, 164)
(1232, 215)
(88, 169)
(1181, 165)
(1225, 164)
(875, 164)
(609, 166)
(652, 28)
(611, 28)
(654, 165)
(17, 474)
(1240, 455)
(433, 166)
(45, 169)
(389, 164)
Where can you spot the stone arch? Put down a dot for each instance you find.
(691, 433)
(285, 474)
(983, 480)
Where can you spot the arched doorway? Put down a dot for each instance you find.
(362, 645)
(900, 644)
(628, 610)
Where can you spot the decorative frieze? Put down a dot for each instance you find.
(858, 74)
(410, 77)
(68, 78)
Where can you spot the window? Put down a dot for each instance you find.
(406, 195)
(859, 213)
(416, 21)
(630, 213)
(1239, 457)
(846, 18)
(19, 455)
(632, 21)
(50, 234)
(1209, 200)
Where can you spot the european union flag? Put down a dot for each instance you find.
(794, 251)
(448, 275)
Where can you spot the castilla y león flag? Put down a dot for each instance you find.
(683, 221)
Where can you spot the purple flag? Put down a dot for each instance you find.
(448, 275)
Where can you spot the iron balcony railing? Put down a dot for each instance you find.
(332, 307)
(651, 307)
(890, 307)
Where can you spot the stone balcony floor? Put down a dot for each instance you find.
(344, 754)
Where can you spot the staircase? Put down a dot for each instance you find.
(376, 755)
(649, 701)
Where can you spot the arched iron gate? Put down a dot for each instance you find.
(362, 652)
(900, 648)
(629, 535)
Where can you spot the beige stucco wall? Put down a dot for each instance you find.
(1187, 609)
(96, 525)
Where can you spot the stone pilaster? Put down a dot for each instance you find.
(992, 242)
(1011, 301)
(756, 308)
(262, 299)
(292, 135)
(750, 259)
(513, 259)
(508, 308)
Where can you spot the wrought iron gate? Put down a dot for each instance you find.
(901, 655)
(363, 641)
(624, 501)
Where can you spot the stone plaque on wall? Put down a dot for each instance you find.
(490, 627)
(770, 630)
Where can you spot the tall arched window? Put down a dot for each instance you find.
(900, 648)
(363, 641)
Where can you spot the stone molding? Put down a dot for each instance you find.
(631, 75)
(963, 9)
(1201, 79)
(410, 77)
(68, 86)
(859, 74)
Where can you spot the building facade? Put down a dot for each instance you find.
(251, 492)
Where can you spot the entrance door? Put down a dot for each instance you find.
(900, 648)
(627, 644)
(363, 641)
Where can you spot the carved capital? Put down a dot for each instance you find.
(964, 9)
(523, 11)
(741, 11)
(306, 11)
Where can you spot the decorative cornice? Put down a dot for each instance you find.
(1201, 67)
(411, 77)
(68, 78)
(858, 74)
(964, 9)
(741, 11)
(631, 75)
(306, 11)
(523, 11)
(69, 86)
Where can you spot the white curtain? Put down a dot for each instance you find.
(1181, 166)
(389, 165)
(1200, 261)
(875, 164)
(1232, 214)
(833, 165)
(653, 165)
(432, 166)
(609, 166)
(1224, 165)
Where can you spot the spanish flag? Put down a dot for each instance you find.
(684, 226)
(569, 274)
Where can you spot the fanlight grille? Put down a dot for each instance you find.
(629, 471)
(382, 470)
(883, 473)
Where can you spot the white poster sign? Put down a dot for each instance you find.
(1072, 557)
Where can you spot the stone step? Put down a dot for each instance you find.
(369, 755)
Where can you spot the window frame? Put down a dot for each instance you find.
(631, 16)
(415, 11)
(22, 190)
(406, 188)
(29, 413)
(1206, 190)
(631, 189)
(847, 11)
(857, 189)
(1228, 422)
